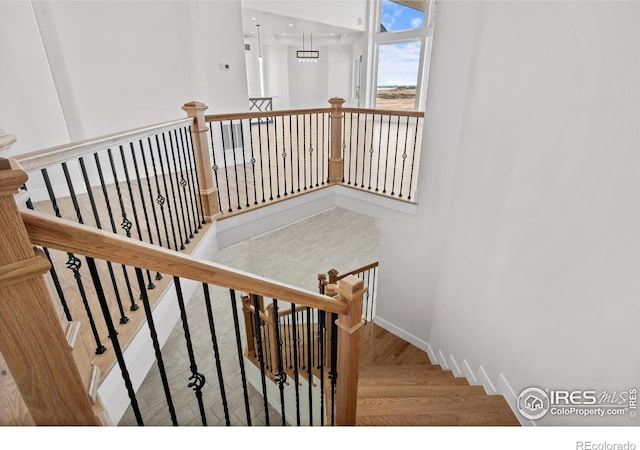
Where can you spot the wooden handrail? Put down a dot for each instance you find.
(54, 155)
(257, 115)
(357, 271)
(385, 112)
(60, 234)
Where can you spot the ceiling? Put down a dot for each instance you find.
(289, 30)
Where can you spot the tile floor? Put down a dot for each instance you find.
(295, 254)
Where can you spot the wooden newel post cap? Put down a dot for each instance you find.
(194, 107)
(336, 102)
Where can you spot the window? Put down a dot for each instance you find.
(398, 71)
(401, 15)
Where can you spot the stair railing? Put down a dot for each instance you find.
(24, 351)
(367, 273)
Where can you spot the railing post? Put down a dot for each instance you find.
(336, 162)
(32, 341)
(350, 290)
(208, 190)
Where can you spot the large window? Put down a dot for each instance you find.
(400, 53)
(398, 69)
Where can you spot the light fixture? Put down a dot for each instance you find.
(305, 55)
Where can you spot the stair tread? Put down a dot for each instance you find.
(430, 405)
(419, 391)
(480, 418)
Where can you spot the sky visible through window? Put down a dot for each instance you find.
(398, 63)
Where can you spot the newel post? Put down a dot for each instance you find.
(31, 338)
(208, 190)
(351, 290)
(336, 162)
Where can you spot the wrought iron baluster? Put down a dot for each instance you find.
(126, 224)
(151, 196)
(333, 372)
(173, 185)
(350, 147)
(262, 158)
(386, 164)
(256, 306)
(244, 165)
(404, 156)
(280, 376)
(395, 158)
(150, 284)
(296, 365)
(371, 151)
(235, 162)
(275, 135)
(355, 167)
(216, 352)
(189, 187)
(187, 152)
(310, 365)
(156, 346)
(234, 309)
(183, 184)
(226, 170)
(317, 150)
(113, 335)
(321, 360)
(304, 151)
(166, 193)
(253, 163)
(413, 157)
(197, 380)
(74, 264)
(379, 154)
(364, 150)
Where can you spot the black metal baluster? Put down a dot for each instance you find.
(151, 199)
(58, 287)
(215, 166)
(373, 290)
(371, 151)
(73, 264)
(317, 150)
(290, 155)
(280, 376)
(216, 351)
(150, 284)
(386, 165)
(310, 365)
(183, 184)
(253, 163)
(126, 223)
(262, 158)
(395, 158)
(156, 345)
(244, 166)
(413, 157)
(236, 324)
(256, 306)
(364, 149)
(297, 151)
(191, 203)
(269, 155)
(379, 154)
(173, 191)
(284, 156)
(404, 155)
(235, 162)
(198, 378)
(333, 372)
(350, 148)
(296, 376)
(123, 318)
(324, 159)
(321, 360)
(195, 180)
(166, 198)
(355, 167)
(113, 335)
(304, 151)
(226, 171)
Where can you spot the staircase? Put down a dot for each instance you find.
(398, 386)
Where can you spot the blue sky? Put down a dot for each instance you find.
(398, 63)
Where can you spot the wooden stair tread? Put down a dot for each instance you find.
(480, 418)
(393, 369)
(419, 391)
(430, 405)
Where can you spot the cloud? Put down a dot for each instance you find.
(398, 64)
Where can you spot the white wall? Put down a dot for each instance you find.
(276, 75)
(525, 269)
(308, 81)
(74, 70)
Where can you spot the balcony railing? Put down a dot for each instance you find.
(158, 189)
